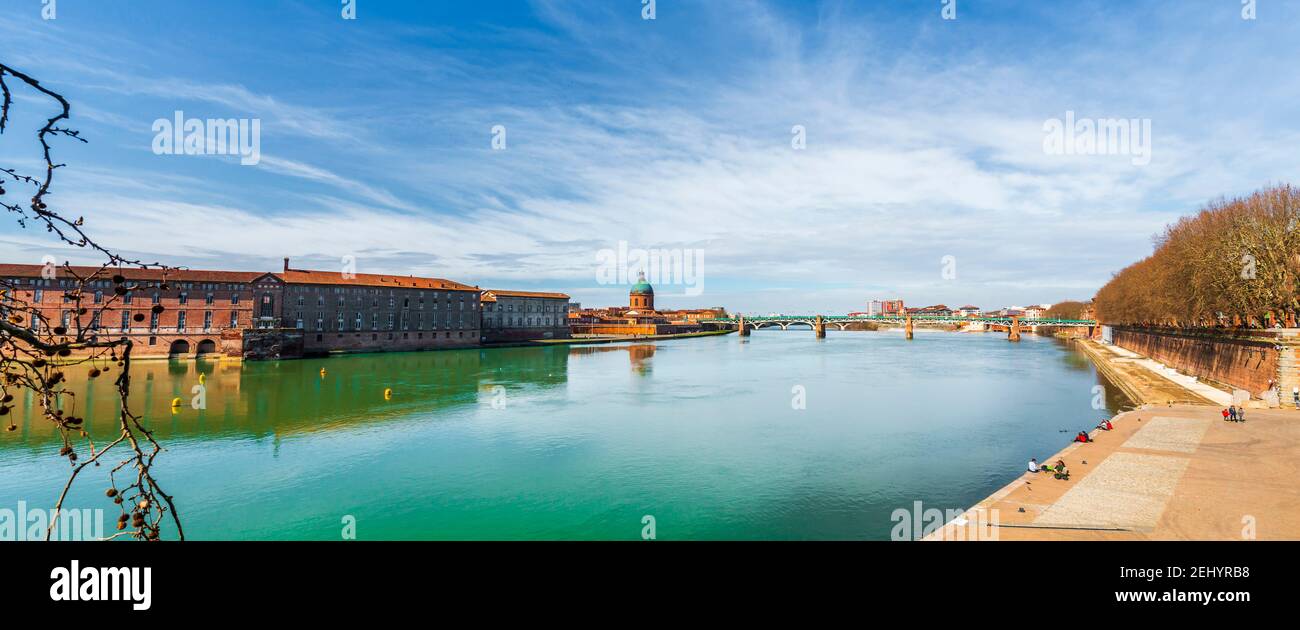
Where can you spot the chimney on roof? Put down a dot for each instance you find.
(286, 263)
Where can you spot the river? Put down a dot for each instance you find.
(584, 442)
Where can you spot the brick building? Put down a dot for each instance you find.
(524, 315)
(203, 311)
(227, 313)
(364, 312)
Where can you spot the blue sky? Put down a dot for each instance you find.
(924, 138)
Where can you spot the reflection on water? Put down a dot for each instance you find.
(581, 442)
(639, 354)
(287, 397)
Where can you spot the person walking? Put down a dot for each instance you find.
(1232, 413)
(1225, 415)
(1241, 415)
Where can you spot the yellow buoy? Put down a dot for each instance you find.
(322, 372)
(388, 393)
(201, 377)
(176, 402)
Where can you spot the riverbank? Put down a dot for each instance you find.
(1145, 381)
(1171, 469)
(1164, 473)
(608, 339)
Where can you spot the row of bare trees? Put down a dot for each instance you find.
(1234, 263)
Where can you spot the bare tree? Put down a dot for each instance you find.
(36, 354)
(1236, 263)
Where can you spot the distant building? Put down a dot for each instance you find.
(639, 317)
(885, 307)
(938, 310)
(968, 311)
(524, 315)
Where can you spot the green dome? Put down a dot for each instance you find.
(642, 287)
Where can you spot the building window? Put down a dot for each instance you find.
(126, 321)
(207, 320)
(234, 298)
(156, 298)
(180, 321)
(207, 299)
(153, 321)
(234, 319)
(99, 297)
(185, 297)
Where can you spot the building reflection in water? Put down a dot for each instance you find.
(639, 355)
(265, 398)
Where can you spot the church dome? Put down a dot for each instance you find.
(642, 287)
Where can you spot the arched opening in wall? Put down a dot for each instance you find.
(207, 346)
(179, 347)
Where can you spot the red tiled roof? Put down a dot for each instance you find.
(132, 273)
(537, 294)
(306, 276)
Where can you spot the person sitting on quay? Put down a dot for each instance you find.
(1061, 472)
(1082, 437)
(1105, 425)
(1033, 465)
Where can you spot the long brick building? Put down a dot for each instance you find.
(254, 314)
(202, 311)
(362, 312)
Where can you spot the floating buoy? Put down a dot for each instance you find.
(176, 402)
(201, 378)
(322, 372)
(388, 393)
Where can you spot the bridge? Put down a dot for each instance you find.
(818, 323)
